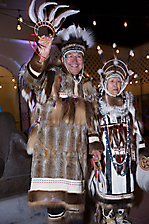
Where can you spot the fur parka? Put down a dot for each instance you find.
(62, 123)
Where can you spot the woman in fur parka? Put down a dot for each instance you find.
(112, 180)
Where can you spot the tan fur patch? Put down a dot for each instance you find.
(117, 101)
(80, 117)
(56, 112)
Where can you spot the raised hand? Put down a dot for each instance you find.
(44, 48)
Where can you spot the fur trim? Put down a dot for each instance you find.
(55, 199)
(142, 175)
(129, 203)
(113, 101)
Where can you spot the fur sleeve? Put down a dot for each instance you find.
(37, 89)
(36, 65)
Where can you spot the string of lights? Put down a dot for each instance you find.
(21, 21)
(13, 81)
(20, 18)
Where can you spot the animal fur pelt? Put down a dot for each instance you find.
(142, 173)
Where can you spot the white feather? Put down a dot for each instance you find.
(42, 6)
(31, 12)
(52, 14)
(57, 21)
(85, 35)
(88, 37)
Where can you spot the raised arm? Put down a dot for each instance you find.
(39, 61)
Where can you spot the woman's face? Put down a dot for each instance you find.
(74, 62)
(114, 85)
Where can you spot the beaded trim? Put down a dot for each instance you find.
(40, 24)
(72, 47)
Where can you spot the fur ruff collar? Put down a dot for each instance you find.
(118, 106)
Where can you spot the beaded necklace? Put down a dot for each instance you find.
(108, 146)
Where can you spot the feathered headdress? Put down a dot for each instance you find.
(48, 19)
(115, 68)
(74, 38)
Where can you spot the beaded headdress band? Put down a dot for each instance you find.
(73, 47)
(115, 68)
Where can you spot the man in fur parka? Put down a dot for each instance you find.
(112, 179)
(64, 114)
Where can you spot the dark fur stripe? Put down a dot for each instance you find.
(69, 201)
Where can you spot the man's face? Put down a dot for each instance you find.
(114, 85)
(74, 62)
